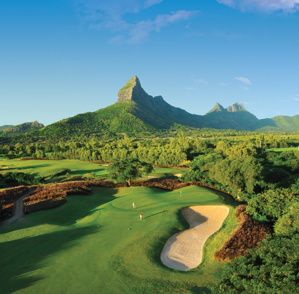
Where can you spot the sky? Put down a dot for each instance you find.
(59, 58)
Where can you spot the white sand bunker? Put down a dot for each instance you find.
(183, 251)
(178, 175)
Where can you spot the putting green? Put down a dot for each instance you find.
(97, 244)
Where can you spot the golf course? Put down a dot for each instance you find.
(77, 168)
(97, 244)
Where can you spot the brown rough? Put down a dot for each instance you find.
(248, 234)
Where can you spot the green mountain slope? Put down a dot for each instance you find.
(233, 117)
(135, 111)
(116, 118)
(287, 123)
(21, 129)
(5, 127)
(232, 120)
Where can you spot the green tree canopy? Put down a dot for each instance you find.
(271, 204)
(128, 169)
(273, 268)
(288, 224)
(240, 174)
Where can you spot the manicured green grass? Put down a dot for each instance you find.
(97, 244)
(162, 172)
(46, 167)
(77, 168)
(283, 149)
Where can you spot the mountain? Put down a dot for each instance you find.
(234, 117)
(134, 111)
(137, 112)
(5, 127)
(217, 108)
(155, 111)
(284, 123)
(21, 129)
(236, 107)
(233, 108)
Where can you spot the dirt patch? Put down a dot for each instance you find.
(183, 251)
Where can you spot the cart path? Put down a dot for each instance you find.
(19, 208)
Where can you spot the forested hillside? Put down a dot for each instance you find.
(5, 127)
(20, 129)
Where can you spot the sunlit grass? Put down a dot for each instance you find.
(49, 168)
(97, 244)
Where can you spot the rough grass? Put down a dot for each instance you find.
(97, 244)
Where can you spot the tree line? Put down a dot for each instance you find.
(178, 151)
(268, 182)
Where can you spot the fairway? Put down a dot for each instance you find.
(97, 244)
(284, 149)
(77, 168)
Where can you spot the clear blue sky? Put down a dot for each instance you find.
(59, 58)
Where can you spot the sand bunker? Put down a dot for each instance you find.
(183, 250)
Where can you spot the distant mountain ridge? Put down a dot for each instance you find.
(21, 129)
(233, 108)
(136, 111)
(5, 127)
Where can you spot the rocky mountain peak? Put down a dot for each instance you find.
(218, 107)
(37, 124)
(130, 90)
(236, 107)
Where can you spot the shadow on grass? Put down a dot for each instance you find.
(201, 290)
(155, 214)
(166, 176)
(77, 207)
(149, 204)
(23, 256)
(7, 169)
(86, 171)
(33, 166)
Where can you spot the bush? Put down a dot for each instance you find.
(61, 190)
(17, 178)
